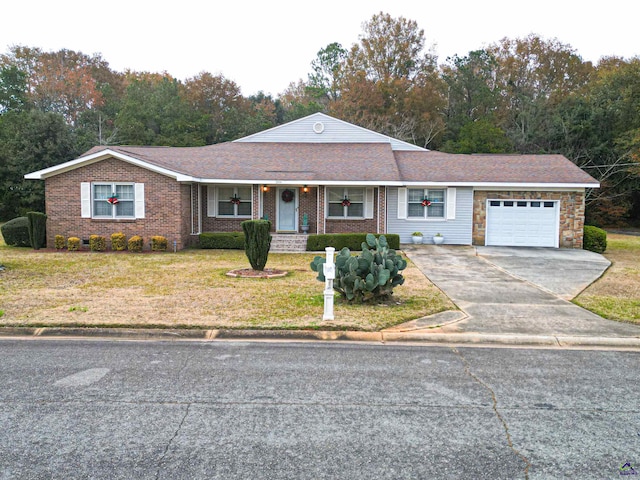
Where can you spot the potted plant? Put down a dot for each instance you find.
(438, 238)
(305, 223)
(416, 237)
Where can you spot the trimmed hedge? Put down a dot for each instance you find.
(257, 242)
(595, 239)
(158, 243)
(97, 243)
(353, 241)
(16, 232)
(118, 242)
(135, 244)
(227, 240)
(37, 229)
(60, 242)
(73, 244)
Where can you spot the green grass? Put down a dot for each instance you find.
(189, 289)
(617, 294)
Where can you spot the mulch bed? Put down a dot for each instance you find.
(251, 273)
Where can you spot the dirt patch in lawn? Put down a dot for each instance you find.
(188, 289)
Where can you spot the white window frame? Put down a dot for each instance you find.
(425, 210)
(235, 207)
(345, 210)
(114, 209)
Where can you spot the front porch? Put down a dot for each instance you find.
(289, 208)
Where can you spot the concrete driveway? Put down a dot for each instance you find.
(518, 291)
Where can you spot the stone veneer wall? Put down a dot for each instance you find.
(571, 229)
(167, 205)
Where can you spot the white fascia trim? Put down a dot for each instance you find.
(508, 186)
(103, 155)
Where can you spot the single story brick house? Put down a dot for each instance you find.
(333, 175)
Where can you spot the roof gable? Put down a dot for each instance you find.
(321, 128)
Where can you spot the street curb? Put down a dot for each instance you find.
(425, 336)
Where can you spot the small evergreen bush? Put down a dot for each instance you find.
(73, 244)
(227, 240)
(59, 242)
(352, 241)
(16, 232)
(595, 239)
(257, 242)
(135, 244)
(37, 229)
(97, 243)
(118, 242)
(158, 243)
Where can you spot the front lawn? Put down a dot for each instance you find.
(187, 289)
(617, 294)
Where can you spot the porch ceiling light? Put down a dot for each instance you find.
(265, 188)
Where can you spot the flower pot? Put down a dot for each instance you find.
(305, 228)
(416, 239)
(438, 240)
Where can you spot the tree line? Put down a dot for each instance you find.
(522, 95)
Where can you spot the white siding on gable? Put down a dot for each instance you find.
(320, 128)
(456, 231)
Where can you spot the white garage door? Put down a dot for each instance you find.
(522, 223)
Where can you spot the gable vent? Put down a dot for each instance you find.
(318, 127)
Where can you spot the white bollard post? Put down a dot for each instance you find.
(329, 271)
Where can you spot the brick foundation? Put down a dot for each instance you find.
(571, 213)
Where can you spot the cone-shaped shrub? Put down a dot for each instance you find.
(37, 229)
(257, 242)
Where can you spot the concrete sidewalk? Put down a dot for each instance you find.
(519, 292)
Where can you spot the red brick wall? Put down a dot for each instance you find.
(571, 213)
(167, 204)
(307, 204)
(367, 225)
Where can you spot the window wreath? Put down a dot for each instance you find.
(287, 196)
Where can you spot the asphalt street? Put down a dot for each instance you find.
(231, 410)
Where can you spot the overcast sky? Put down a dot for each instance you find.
(265, 45)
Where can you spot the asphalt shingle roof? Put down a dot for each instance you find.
(352, 162)
(444, 167)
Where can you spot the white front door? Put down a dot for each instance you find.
(287, 212)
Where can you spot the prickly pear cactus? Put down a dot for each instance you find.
(372, 275)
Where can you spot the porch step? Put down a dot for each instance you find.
(288, 243)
